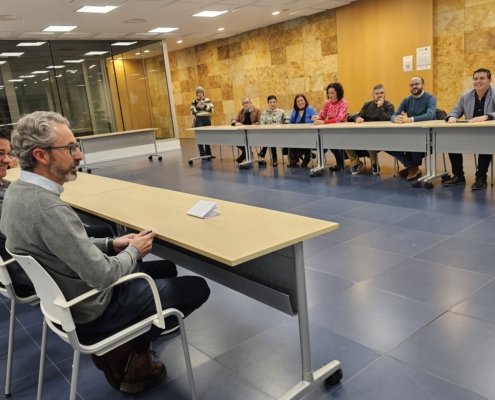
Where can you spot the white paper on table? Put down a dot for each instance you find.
(204, 209)
(423, 58)
(407, 63)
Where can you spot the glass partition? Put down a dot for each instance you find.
(98, 86)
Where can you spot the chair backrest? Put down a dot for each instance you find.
(4, 279)
(47, 291)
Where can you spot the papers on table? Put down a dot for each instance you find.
(204, 209)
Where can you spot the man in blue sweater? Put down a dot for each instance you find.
(420, 106)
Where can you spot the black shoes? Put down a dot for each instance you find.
(261, 154)
(241, 158)
(211, 156)
(456, 180)
(355, 170)
(478, 185)
(275, 163)
(375, 168)
(305, 161)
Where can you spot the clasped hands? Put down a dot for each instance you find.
(483, 118)
(143, 241)
(402, 119)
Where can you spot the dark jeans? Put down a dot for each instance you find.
(483, 164)
(133, 301)
(404, 159)
(273, 150)
(23, 286)
(203, 121)
(338, 157)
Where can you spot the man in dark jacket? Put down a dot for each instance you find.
(249, 115)
(377, 109)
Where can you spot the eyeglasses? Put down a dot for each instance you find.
(415, 84)
(73, 148)
(246, 102)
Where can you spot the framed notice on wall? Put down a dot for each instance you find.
(423, 58)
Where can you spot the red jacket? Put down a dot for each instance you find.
(334, 112)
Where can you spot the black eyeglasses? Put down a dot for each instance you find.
(72, 148)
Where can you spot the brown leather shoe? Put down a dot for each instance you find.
(141, 372)
(113, 364)
(413, 172)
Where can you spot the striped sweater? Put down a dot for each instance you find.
(203, 111)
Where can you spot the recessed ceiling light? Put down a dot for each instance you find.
(46, 79)
(92, 66)
(120, 58)
(134, 21)
(9, 17)
(276, 13)
(74, 61)
(60, 28)
(26, 76)
(137, 54)
(123, 43)
(96, 9)
(59, 76)
(95, 53)
(2, 62)
(29, 44)
(179, 41)
(162, 30)
(16, 80)
(40, 72)
(146, 51)
(72, 71)
(209, 14)
(11, 54)
(221, 29)
(55, 66)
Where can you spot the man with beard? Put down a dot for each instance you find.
(478, 105)
(37, 222)
(377, 109)
(420, 106)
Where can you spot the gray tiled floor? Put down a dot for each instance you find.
(402, 294)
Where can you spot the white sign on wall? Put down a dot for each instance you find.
(407, 63)
(423, 58)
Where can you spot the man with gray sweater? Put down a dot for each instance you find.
(37, 222)
(420, 106)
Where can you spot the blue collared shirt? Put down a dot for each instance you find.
(41, 181)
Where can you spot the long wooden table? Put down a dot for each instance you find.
(267, 265)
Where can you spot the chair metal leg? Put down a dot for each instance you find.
(444, 163)
(10, 350)
(475, 162)
(75, 372)
(187, 358)
(42, 360)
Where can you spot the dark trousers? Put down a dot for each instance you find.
(203, 121)
(483, 164)
(273, 150)
(133, 301)
(414, 159)
(23, 286)
(338, 156)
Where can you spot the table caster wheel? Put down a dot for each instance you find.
(262, 163)
(446, 178)
(160, 158)
(335, 377)
(89, 170)
(79, 169)
(190, 162)
(428, 185)
(416, 185)
(150, 158)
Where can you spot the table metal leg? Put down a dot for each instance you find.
(309, 379)
(320, 153)
(155, 154)
(434, 175)
(198, 157)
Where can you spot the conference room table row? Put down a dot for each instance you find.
(266, 265)
(430, 137)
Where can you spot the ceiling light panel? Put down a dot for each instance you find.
(60, 28)
(95, 53)
(55, 66)
(27, 76)
(10, 54)
(30, 44)
(74, 61)
(162, 30)
(40, 72)
(2, 62)
(210, 14)
(96, 9)
(123, 43)
(16, 80)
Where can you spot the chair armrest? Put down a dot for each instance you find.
(4, 274)
(137, 275)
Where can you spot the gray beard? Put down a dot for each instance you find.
(62, 174)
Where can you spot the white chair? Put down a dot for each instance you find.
(58, 317)
(7, 290)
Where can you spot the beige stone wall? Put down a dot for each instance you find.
(464, 42)
(283, 59)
